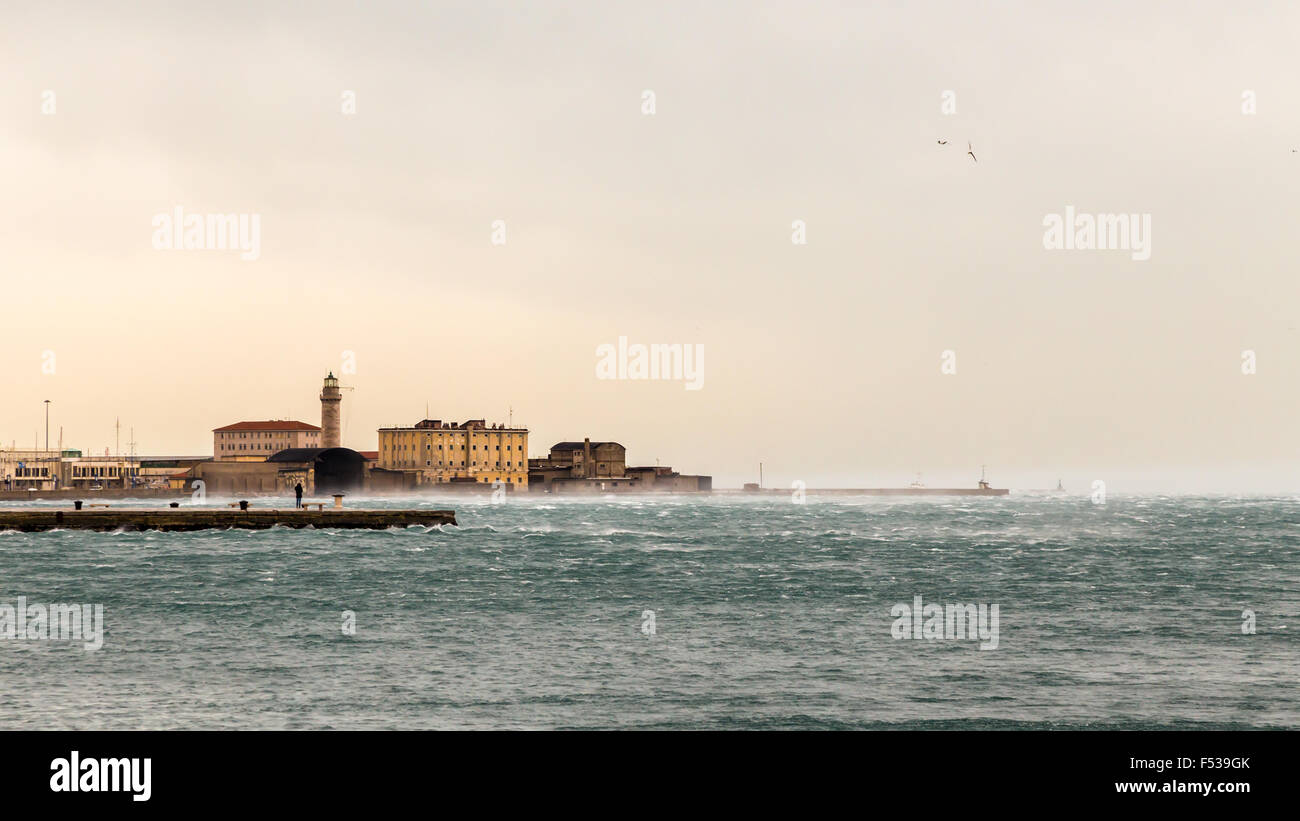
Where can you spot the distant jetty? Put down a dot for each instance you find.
(176, 519)
(924, 491)
(884, 491)
(982, 488)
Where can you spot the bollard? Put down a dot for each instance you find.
(77, 503)
(175, 504)
(243, 504)
(338, 501)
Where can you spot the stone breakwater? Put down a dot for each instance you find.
(181, 520)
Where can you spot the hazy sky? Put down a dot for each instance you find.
(821, 360)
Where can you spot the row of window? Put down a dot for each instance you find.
(410, 463)
(384, 438)
(77, 472)
(95, 473)
(449, 447)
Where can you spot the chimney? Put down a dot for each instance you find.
(587, 472)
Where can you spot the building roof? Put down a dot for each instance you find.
(580, 445)
(371, 455)
(311, 454)
(469, 424)
(270, 424)
(174, 459)
(296, 455)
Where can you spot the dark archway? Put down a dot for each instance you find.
(338, 470)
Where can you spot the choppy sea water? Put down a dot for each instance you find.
(767, 614)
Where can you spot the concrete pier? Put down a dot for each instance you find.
(180, 519)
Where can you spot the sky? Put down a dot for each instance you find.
(459, 203)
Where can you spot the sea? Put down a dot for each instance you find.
(723, 611)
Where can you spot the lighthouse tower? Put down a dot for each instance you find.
(331, 401)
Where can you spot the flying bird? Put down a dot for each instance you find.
(943, 142)
(970, 151)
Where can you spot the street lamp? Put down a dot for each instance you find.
(48, 468)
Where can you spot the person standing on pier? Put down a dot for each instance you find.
(297, 492)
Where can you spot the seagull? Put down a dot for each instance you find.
(943, 142)
(969, 151)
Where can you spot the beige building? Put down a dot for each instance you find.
(585, 465)
(25, 469)
(588, 459)
(90, 472)
(258, 441)
(53, 469)
(601, 467)
(440, 452)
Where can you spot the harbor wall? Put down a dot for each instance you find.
(71, 494)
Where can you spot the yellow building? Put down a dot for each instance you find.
(440, 452)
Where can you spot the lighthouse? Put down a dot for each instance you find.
(331, 400)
